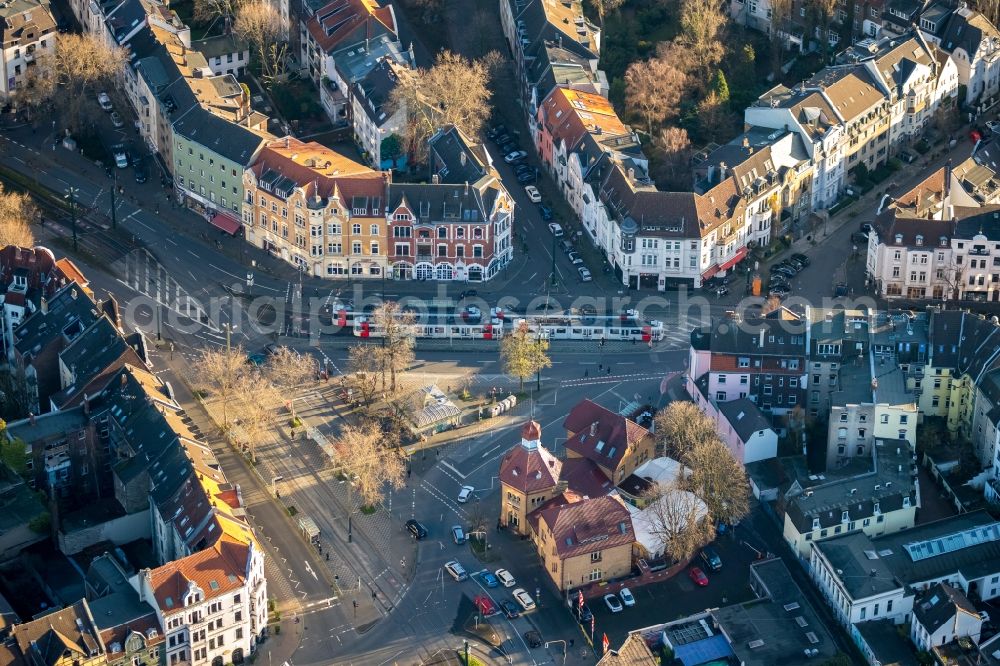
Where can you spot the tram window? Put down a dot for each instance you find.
(560, 331)
(576, 331)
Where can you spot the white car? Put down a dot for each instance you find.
(515, 156)
(116, 120)
(533, 194)
(627, 597)
(465, 493)
(574, 258)
(523, 598)
(556, 229)
(585, 274)
(456, 570)
(104, 101)
(505, 578)
(611, 601)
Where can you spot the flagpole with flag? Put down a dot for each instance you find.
(591, 629)
(605, 644)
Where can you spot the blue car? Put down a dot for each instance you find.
(489, 579)
(546, 212)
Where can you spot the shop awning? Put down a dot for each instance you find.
(710, 273)
(742, 252)
(228, 224)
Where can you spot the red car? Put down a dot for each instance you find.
(485, 605)
(698, 576)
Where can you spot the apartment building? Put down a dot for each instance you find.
(866, 578)
(877, 494)
(64, 637)
(936, 242)
(974, 44)
(341, 42)
(225, 54)
(211, 604)
(317, 210)
(763, 359)
(459, 226)
(28, 33)
(377, 126)
(614, 443)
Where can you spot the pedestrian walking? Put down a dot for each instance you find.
(600, 367)
(609, 369)
(585, 373)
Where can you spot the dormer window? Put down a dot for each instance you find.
(815, 523)
(920, 239)
(877, 510)
(899, 239)
(944, 241)
(845, 516)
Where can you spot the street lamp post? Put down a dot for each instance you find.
(466, 651)
(71, 194)
(114, 213)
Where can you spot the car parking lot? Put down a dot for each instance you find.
(679, 596)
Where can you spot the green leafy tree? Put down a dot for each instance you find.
(13, 452)
(391, 147)
(720, 87)
(524, 354)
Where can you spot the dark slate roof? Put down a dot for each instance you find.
(441, 203)
(965, 31)
(226, 139)
(782, 334)
(374, 89)
(883, 639)
(937, 605)
(966, 342)
(126, 18)
(447, 148)
(71, 304)
(745, 417)
(864, 576)
(556, 65)
(177, 98)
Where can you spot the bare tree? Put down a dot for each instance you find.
(781, 16)
(255, 397)
(680, 427)
(396, 351)
(455, 91)
(673, 153)
(287, 369)
(364, 373)
(824, 11)
(653, 89)
(719, 480)
(222, 370)
(605, 7)
(207, 11)
(70, 77)
(990, 9)
(678, 519)
(702, 36)
(259, 23)
(17, 212)
(524, 354)
(369, 465)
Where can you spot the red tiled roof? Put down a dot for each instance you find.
(598, 523)
(566, 497)
(141, 625)
(584, 477)
(530, 470)
(215, 571)
(600, 434)
(336, 21)
(531, 431)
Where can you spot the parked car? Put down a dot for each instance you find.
(556, 229)
(801, 258)
(533, 194)
(611, 601)
(489, 580)
(522, 168)
(509, 609)
(515, 156)
(523, 598)
(458, 535)
(584, 273)
(508, 147)
(501, 138)
(468, 293)
(456, 570)
(505, 578)
(698, 576)
(574, 258)
(840, 290)
(141, 173)
(583, 614)
(116, 120)
(566, 245)
(546, 213)
(711, 558)
(779, 290)
(104, 101)
(416, 529)
(527, 177)
(627, 597)
(859, 238)
(496, 131)
(485, 605)
(120, 155)
(466, 492)
(533, 639)
(866, 227)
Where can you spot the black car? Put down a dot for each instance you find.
(501, 138)
(859, 238)
(510, 609)
(546, 212)
(583, 614)
(533, 639)
(779, 291)
(801, 258)
(141, 173)
(840, 290)
(416, 529)
(468, 293)
(525, 178)
(508, 148)
(496, 131)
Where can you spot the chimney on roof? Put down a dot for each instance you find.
(593, 429)
(462, 158)
(86, 405)
(746, 141)
(43, 305)
(723, 171)
(435, 180)
(631, 175)
(31, 418)
(466, 186)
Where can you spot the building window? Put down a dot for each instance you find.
(596, 556)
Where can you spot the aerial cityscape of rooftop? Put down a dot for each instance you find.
(442, 332)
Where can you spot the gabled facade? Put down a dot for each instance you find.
(974, 44)
(28, 33)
